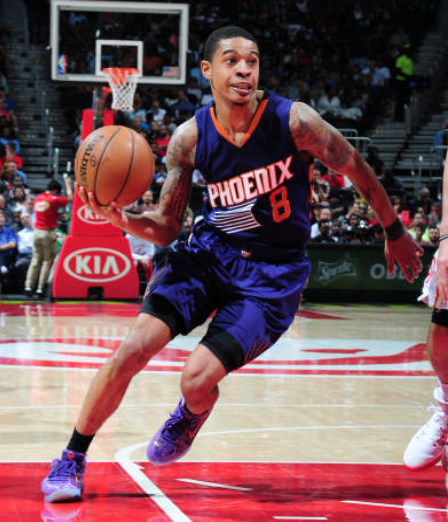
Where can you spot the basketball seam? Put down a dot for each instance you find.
(130, 168)
(101, 159)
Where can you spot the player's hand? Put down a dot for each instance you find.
(442, 270)
(406, 253)
(110, 212)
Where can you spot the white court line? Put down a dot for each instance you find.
(214, 485)
(263, 374)
(136, 473)
(301, 518)
(300, 428)
(400, 506)
(223, 405)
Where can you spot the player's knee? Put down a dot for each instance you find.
(440, 317)
(132, 355)
(195, 385)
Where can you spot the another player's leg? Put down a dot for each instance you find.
(149, 336)
(238, 333)
(199, 385)
(426, 446)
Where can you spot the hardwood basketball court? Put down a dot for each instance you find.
(313, 430)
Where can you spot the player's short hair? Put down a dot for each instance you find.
(224, 33)
(54, 185)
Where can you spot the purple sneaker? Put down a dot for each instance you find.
(64, 483)
(175, 437)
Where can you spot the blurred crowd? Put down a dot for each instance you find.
(340, 216)
(341, 58)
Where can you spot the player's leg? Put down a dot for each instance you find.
(257, 303)
(32, 275)
(149, 335)
(49, 253)
(425, 448)
(239, 332)
(199, 386)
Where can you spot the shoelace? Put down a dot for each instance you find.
(175, 425)
(442, 428)
(63, 469)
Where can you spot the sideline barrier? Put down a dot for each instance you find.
(359, 273)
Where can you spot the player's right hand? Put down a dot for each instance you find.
(406, 253)
(110, 212)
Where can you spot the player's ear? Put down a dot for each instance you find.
(206, 68)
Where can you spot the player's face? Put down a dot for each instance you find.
(234, 70)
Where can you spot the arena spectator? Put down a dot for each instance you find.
(321, 188)
(160, 174)
(335, 181)
(435, 214)
(420, 221)
(182, 108)
(440, 141)
(194, 93)
(11, 155)
(25, 238)
(17, 201)
(7, 245)
(434, 235)
(371, 218)
(162, 141)
(378, 235)
(5, 139)
(399, 204)
(46, 207)
(322, 212)
(336, 231)
(393, 185)
(9, 171)
(325, 233)
(329, 103)
(147, 203)
(18, 183)
(7, 115)
(156, 113)
(187, 227)
(419, 231)
(404, 71)
(424, 200)
(29, 208)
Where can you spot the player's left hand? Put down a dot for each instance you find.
(406, 253)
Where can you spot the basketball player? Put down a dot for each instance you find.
(426, 446)
(246, 259)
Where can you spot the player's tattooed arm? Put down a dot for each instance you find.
(313, 134)
(175, 193)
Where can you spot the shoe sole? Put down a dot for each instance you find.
(64, 495)
(425, 466)
(166, 462)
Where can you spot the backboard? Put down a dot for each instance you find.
(88, 36)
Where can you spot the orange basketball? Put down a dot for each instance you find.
(116, 164)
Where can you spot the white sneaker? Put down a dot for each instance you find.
(426, 446)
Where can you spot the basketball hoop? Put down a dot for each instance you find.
(123, 82)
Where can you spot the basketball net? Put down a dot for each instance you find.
(123, 82)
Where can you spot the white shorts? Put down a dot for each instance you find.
(430, 294)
